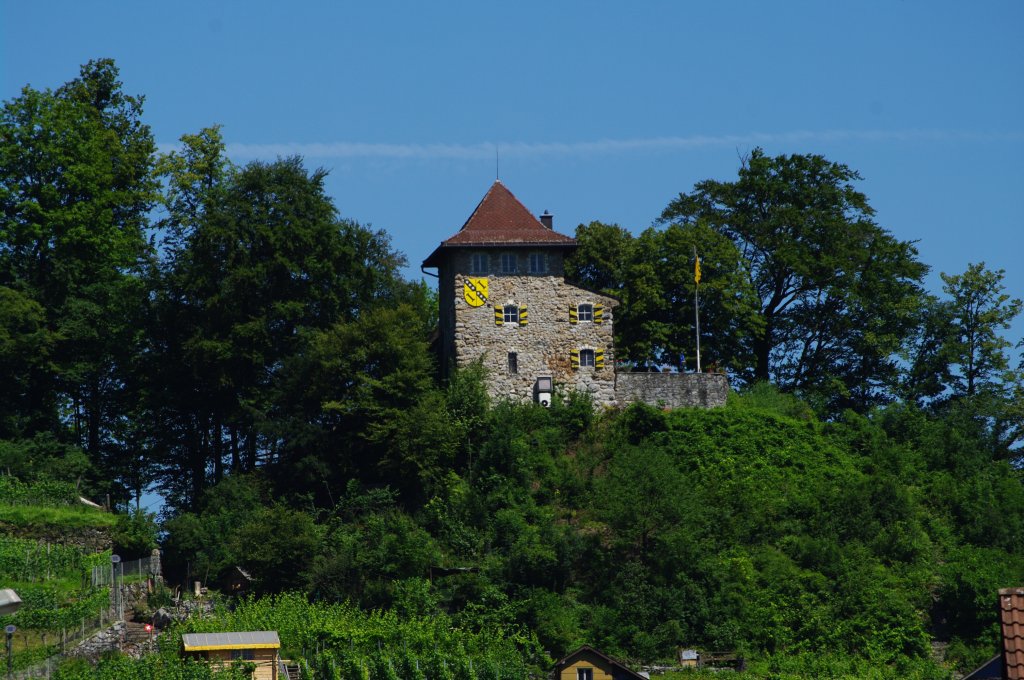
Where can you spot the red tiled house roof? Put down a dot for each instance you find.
(1011, 619)
(501, 220)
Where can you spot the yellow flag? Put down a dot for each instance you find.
(696, 271)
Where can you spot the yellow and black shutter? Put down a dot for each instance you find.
(598, 356)
(499, 315)
(598, 313)
(522, 315)
(574, 358)
(574, 314)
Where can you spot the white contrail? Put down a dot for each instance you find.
(485, 150)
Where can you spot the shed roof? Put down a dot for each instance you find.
(203, 642)
(990, 670)
(1011, 619)
(501, 220)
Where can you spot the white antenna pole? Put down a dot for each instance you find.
(696, 300)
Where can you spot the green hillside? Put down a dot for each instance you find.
(756, 528)
(217, 333)
(846, 547)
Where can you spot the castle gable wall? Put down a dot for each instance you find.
(504, 301)
(545, 343)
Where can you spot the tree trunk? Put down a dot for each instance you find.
(218, 451)
(94, 419)
(236, 458)
(763, 351)
(250, 449)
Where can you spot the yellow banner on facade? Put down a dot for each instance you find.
(474, 291)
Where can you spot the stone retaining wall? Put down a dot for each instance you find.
(672, 390)
(88, 539)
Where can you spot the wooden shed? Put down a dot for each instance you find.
(261, 648)
(587, 663)
(237, 581)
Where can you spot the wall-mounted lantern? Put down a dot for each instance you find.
(542, 390)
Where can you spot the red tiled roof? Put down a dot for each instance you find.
(501, 220)
(1011, 619)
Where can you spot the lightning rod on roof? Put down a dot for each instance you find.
(497, 163)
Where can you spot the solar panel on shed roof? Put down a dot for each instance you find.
(258, 639)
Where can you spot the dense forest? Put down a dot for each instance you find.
(220, 334)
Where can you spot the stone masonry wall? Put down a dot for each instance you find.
(673, 390)
(543, 345)
(89, 539)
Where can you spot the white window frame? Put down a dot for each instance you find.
(585, 312)
(588, 358)
(510, 314)
(584, 674)
(509, 263)
(538, 263)
(479, 263)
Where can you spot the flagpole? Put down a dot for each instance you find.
(696, 300)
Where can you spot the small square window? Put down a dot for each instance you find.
(509, 263)
(511, 313)
(513, 362)
(479, 263)
(587, 357)
(585, 312)
(584, 674)
(538, 263)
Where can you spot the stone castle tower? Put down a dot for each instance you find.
(504, 299)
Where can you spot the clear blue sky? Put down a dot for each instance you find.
(601, 111)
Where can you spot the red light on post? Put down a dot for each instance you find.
(149, 628)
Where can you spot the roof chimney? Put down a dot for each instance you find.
(548, 220)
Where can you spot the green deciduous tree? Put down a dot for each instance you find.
(959, 361)
(25, 347)
(257, 256)
(358, 402)
(75, 190)
(977, 311)
(661, 299)
(602, 260)
(837, 293)
(652, 275)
